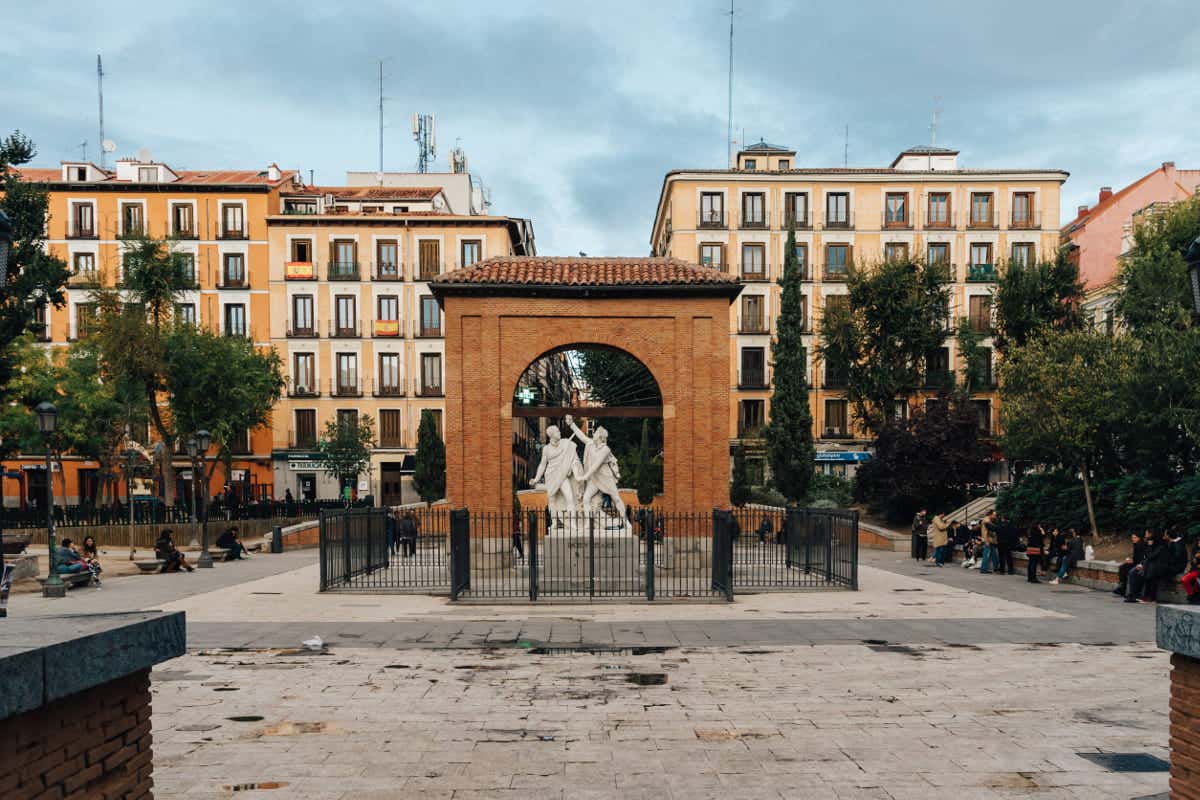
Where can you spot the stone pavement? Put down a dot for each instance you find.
(828, 721)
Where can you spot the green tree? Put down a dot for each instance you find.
(974, 356)
(346, 446)
(616, 378)
(790, 450)
(739, 488)
(429, 473)
(896, 314)
(222, 384)
(1030, 299)
(1152, 283)
(1061, 402)
(34, 277)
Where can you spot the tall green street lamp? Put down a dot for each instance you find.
(1192, 257)
(203, 440)
(47, 418)
(193, 448)
(130, 462)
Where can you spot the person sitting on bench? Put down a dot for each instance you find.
(229, 541)
(166, 552)
(67, 560)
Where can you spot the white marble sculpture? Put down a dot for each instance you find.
(556, 474)
(575, 490)
(600, 471)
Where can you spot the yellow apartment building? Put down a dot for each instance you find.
(353, 319)
(923, 203)
(218, 218)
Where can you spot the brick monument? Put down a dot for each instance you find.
(503, 313)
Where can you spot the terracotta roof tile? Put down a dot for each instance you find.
(372, 192)
(214, 177)
(570, 271)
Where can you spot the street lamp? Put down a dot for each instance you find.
(130, 462)
(193, 448)
(5, 246)
(203, 440)
(47, 418)
(1192, 257)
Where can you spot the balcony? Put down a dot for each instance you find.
(754, 222)
(82, 233)
(84, 279)
(184, 233)
(753, 379)
(841, 222)
(947, 271)
(754, 324)
(232, 282)
(903, 224)
(388, 389)
(432, 390)
(711, 220)
(751, 430)
(307, 330)
(342, 271)
(423, 331)
(387, 272)
(427, 272)
(300, 271)
(1031, 221)
(344, 329)
(386, 329)
(232, 235)
(836, 432)
(302, 440)
(987, 382)
(836, 378)
(801, 222)
(981, 324)
(984, 221)
(981, 273)
(348, 388)
(938, 379)
(837, 273)
(755, 273)
(303, 389)
(944, 221)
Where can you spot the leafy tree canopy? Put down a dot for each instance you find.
(429, 473)
(1033, 298)
(346, 446)
(1152, 283)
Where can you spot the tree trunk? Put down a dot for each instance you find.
(1087, 495)
(168, 443)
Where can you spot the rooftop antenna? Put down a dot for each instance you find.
(729, 110)
(100, 92)
(424, 129)
(846, 146)
(83, 147)
(937, 109)
(379, 176)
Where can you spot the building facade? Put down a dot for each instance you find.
(923, 204)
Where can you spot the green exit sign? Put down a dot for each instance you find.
(526, 395)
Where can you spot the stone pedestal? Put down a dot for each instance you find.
(1179, 632)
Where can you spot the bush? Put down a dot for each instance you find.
(831, 489)
(766, 496)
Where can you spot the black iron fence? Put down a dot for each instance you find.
(530, 555)
(153, 512)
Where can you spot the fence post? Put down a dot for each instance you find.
(347, 555)
(322, 544)
(591, 555)
(460, 552)
(532, 555)
(808, 526)
(650, 558)
(854, 552)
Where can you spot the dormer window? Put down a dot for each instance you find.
(79, 173)
(751, 163)
(147, 174)
(785, 163)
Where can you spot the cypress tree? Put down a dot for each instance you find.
(790, 449)
(429, 472)
(739, 490)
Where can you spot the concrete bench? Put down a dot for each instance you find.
(150, 566)
(72, 579)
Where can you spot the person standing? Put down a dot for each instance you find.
(987, 543)
(408, 535)
(1035, 541)
(918, 534)
(1006, 543)
(517, 540)
(939, 538)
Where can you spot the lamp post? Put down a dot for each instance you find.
(203, 440)
(47, 418)
(1192, 257)
(193, 448)
(130, 461)
(5, 246)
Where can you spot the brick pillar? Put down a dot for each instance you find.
(1185, 727)
(92, 744)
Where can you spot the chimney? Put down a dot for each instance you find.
(1105, 193)
(1082, 210)
(1168, 165)
(273, 172)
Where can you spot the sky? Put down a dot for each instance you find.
(572, 113)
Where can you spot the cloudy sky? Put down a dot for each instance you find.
(571, 113)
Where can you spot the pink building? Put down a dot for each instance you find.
(1097, 234)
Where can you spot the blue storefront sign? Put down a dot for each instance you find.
(843, 456)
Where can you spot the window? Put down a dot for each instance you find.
(750, 418)
(837, 210)
(79, 173)
(345, 315)
(472, 250)
(304, 375)
(343, 259)
(182, 223)
(753, 368)
(804, 313)
(430, 256)
(896, 210)
(981, 254)
(939, 210)
(188, 263)
(753, 258)
(431, 317)
(301, 251)
(233, 272)
(837, 261)
(303, 322)
(85, 263)
(785, 163)
(796, 208)
(899, 409)
(85, 318)
(347, 373)
(132, 223)
(436, 413)
(753, 317)
(712, 255)
(431, 373)
(938, 253)
(387, 260)
(983, 414)
(712, 210)
(751, 163)
(84, 219)
(41, 323)
(235, 319)
(895, 251)
(388, 308)
(981, 209)
(801, 252)
(980, 313)
(389, 427)
(347, 418)
(389, 374)
(299, 206)
(754, 210)
(148, 174)
(1023, 254)
(985, 368)
(186, 313)
(1022, 210)
(232, 221)
(835, 418)
(306, 428)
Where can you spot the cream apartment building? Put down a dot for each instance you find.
(973, 220)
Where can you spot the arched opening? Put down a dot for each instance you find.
(583, 388)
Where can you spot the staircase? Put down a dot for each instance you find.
(975, 508)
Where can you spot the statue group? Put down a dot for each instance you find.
(573, 488)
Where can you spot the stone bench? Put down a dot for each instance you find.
(150, 566)
(72, 579)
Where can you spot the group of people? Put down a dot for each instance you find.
(69, 559)
(402, 530)
(174, 560)
(989, 544)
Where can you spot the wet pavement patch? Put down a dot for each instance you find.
(226, 689)
(246, 718)
(592, 649)
(1127, 762)
(647, 678)
(254, 787)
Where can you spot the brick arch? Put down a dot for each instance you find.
(584, 345)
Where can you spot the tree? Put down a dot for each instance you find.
(34, 277)
(789, 435)
(1061, 401)
(346, 445)
(739, 489)
(1152, 281)
(429, 473)
(616, 378)
(896, 314)
(1033, 298)
(645, 468)
(970, 347)
(222, 384)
